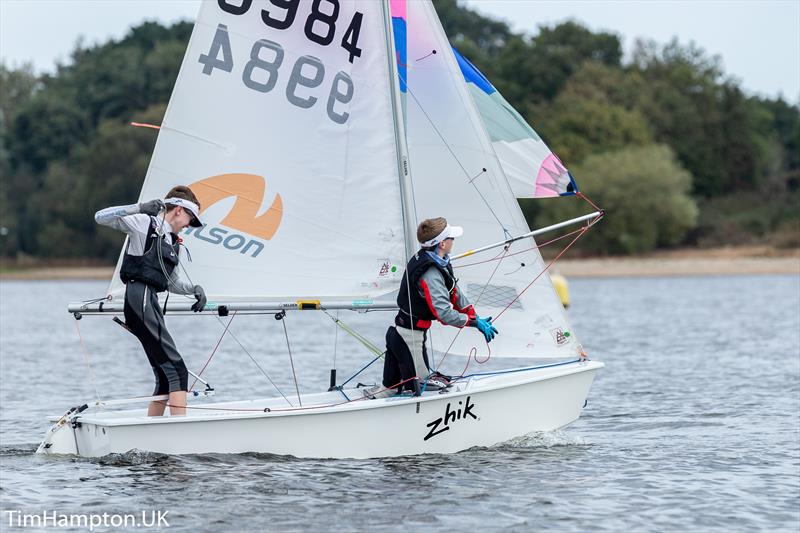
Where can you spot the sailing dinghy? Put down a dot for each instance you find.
(316, 135)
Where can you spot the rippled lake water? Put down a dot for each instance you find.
(694, 424)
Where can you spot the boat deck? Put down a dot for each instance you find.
(322, 402)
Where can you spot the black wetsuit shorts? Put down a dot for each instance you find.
(145, 319)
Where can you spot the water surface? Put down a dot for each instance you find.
(694, 424)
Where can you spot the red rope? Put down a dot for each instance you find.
(142, 125)
(439, 364)
(581, 195)
(546, 268)
(474, 352)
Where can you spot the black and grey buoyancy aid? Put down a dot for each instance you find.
(420, 313)
(147, 268)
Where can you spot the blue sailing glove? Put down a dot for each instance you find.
(485, 326)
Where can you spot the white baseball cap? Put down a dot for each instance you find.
(449, 232)
(189, 206)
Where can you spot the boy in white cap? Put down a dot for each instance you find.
(434, 295)
(149, 267)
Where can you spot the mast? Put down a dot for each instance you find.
(406, 196)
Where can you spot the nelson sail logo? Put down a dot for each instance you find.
(248, 190)
(442, 424)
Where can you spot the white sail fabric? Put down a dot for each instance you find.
(532, 170)
(281, 121)
(448, 148)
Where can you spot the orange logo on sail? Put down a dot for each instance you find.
(249, 191)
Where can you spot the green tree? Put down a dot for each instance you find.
(17, 87)
(645, 193)
(682, 102)
(585, 119)
(541, 69)
(109, 170)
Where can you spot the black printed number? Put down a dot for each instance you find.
(325, 21)
(290, 6)
(350, 39)
(268, 66)
(233, 8)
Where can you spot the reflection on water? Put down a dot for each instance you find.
(693, 424)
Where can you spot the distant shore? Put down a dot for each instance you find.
(684, 262)
(687, 262)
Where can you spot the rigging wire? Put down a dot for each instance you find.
(87, 361)
(335, 338)
(547, 267)
(356, 335)
(580, 232)
(291, 360)
(219, 341)
(301, 408)
(538, 246)
(253, 359)
(470, 179)
(486, 285)
(325, 406)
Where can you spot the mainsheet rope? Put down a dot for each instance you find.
(578, 234)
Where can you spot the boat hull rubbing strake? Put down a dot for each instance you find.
(482, 410)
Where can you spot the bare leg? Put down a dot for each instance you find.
(177, 403)
(156, 408)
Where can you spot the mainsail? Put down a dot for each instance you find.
(282, 122)
(459, 174)
(317, 133)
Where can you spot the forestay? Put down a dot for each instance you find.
(449, 149)
(281, 121)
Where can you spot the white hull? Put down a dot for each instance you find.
(499, 407)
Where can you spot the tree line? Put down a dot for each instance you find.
(666, 142)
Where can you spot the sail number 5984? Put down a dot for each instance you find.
(320, 26)
(261, 73)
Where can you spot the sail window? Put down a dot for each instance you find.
(494, 295)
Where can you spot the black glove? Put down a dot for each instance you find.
(152, 208)
(200, 294)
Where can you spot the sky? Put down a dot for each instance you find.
(758, 40)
